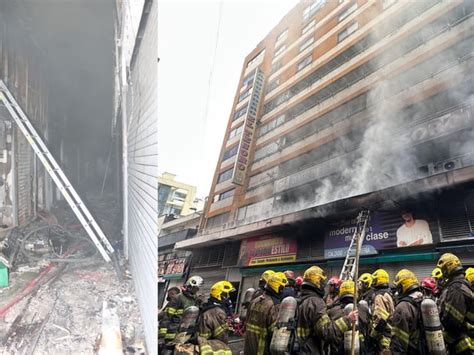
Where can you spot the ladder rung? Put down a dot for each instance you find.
(71, 196)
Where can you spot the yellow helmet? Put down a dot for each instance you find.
(315, 275)
(449, 263)
(405, 280)
(380, 277)
(470, 275)
(266, 275)
(347, 288)
(221, 290)
(277, 282)
(437, 273)
(365, 280)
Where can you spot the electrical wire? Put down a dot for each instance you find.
(212, 68)
(61, 257)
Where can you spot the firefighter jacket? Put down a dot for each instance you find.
(383, 307)
(172, 315)
(314, 327)
(336, 313)
(331, 300)
(213, 347)
(212, 322)
(258, 293)
(407, 326)
(367, 296)
(261, 322)
(457, 316)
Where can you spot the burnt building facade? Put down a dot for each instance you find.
(347, 105)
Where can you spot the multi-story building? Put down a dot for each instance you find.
(346, 105)
(174, 197)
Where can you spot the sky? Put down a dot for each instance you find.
(198, 77)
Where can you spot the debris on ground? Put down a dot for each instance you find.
(58, 286)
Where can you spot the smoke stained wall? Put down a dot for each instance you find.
(74, 40)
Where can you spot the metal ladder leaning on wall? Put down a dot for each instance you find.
(56, 173)
(349, 266)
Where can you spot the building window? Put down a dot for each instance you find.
(387, 3)
(308, 27)
(304, 63)
(236, 131)
(226, 175)
(309, 41)
(275, 67)
(347, 32)
(347, 12)
(248, 80)
(218, 220)
(240, 112)
(226, 194)
(311, 9)
(257, 59)
(229, 153)
(179, 196)
(272, 85)
(279, 51)
(172, 210)
(282, 36)
(272, 125)
(244, 95)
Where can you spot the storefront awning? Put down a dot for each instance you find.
(378, 259)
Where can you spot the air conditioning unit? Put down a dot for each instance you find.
(444, 166)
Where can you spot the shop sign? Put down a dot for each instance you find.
(385, 230)
(172, 268)
(265, 250)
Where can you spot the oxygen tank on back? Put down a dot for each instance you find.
(245, 303)
(285, 325)
(433, 328)
(187, 325)
(348, 334)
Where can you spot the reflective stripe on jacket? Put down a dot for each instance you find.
(405, 328)
(314, 327)
(456, 309)
(261, 322)
(213, 324)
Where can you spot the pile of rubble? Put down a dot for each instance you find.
(55, 307)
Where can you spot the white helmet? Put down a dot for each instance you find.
(194, 281)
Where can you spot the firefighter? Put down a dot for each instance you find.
(332, 297)
(345, 297)
(298, 283)
(364, 287)
(172, 294)
(213, 330)
(406, 320)
(262, 314)
(457, 307)
(314, 327)
(382, 306)
(262, 282)
(175, 308)
(437, 274)
(470, 277)
(429, 288)
(290, 289)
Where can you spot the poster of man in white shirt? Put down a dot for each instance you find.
(413, 231)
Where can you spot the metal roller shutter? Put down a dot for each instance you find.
(421, 269)
(142, 171)
(210, 277)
